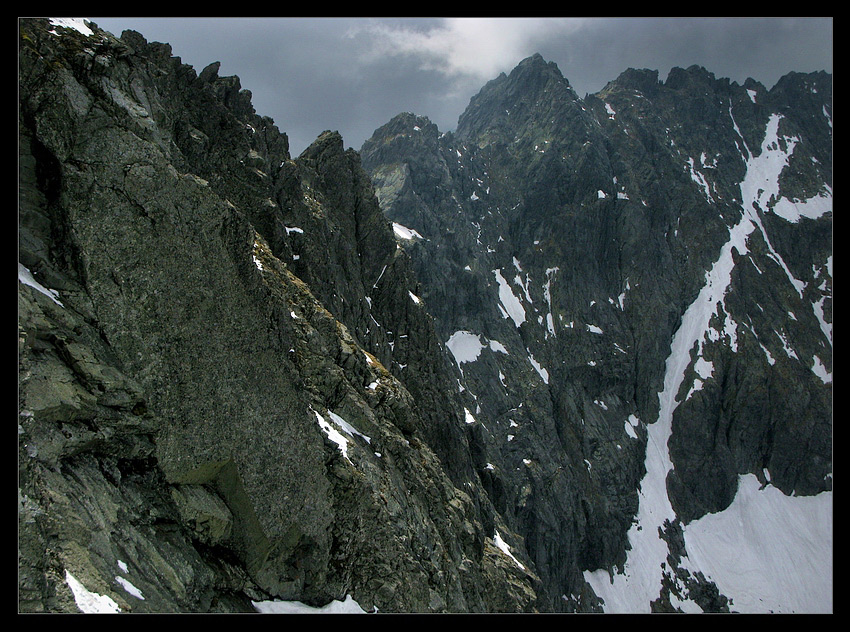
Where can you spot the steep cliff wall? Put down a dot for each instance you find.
(228, 389)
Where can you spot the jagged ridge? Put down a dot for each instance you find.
(235, 397)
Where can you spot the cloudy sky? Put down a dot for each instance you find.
(353, 75)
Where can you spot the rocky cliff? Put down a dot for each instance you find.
(229, 389)
(430, 376)
(651, 262)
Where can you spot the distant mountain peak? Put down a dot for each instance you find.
(537, 65)
(533, 82)
(682, 77)
(535, 61)
(643, 80)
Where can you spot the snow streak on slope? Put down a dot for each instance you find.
(761, 185)
(89, 602)
(509, 304)
(640, 580)
(26, 277)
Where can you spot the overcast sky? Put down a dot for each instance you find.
(353, 75)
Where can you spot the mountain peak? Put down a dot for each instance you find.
(535, 65)
(534, 60)
(533, 83)
(679, 78)
(643, 80)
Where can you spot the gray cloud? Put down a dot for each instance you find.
(354, 74)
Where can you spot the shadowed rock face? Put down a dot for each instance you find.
(563, 241)
(238, 382)
(227, 392)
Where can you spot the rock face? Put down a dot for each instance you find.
(430, 381)
(653, 258)
(229, 389)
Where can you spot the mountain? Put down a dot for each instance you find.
(435, 375)
(636, 288)
(229, 390)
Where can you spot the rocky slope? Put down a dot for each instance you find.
(229, 390)
(442, 380)
(654, 259)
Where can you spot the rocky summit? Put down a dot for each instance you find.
(574, 356)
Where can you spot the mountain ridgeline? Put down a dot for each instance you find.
(509, 368)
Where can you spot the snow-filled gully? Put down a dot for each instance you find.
(780, 548)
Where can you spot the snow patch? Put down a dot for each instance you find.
(78, 24)
(547, 296)
(26, 277)
(504, 548)
(348, 606)
(347, 427)
(621, 299)
(768, 552)
(334, 435)
(795, 210)
(495, 345)
(511, 307)
(630, 424)
(703, 368)
(761, 185)
(820, 370)
(543, 373)
(403, 232)
(825, 327)
(697, 177)
(126, 585)
(89, 602)
(465, 346)
(789, 351)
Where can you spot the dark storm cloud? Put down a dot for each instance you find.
(354, 74)
(735, 48)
